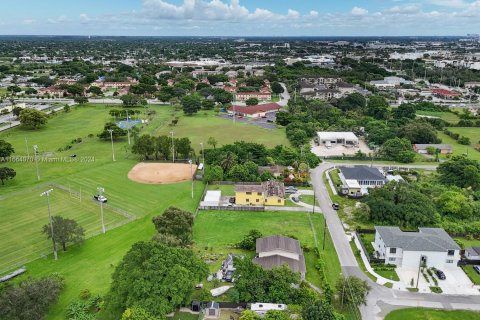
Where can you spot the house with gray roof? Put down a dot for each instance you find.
(356, 180)
(277, 250)
(432, 246)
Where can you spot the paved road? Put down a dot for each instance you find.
(381, 300)
(285, 96)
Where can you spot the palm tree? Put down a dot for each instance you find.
(229, 161)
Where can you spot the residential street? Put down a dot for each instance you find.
(381, 300)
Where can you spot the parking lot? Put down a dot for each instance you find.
(456, 282)
(267, 123)
(339, 150)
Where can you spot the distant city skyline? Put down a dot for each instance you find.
(240, 17)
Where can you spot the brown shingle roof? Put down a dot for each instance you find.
(248, 188)
(277, 261)
(278, 243)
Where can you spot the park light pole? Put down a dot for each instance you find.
(128, 133)
(173, 146)
(47, 195)
(191, 173)
(100, 193)
(35, 150)
(203, 157)
(26, 144)
(111, 138)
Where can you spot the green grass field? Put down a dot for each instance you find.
(206, 124)
(26, 214)
(91, 264)
(458, 149)
(447, 116)
(430, 314)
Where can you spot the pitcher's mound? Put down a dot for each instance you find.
(161, 173)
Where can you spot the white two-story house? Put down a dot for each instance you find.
(432, 246)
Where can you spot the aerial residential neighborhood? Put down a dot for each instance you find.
(239, 160)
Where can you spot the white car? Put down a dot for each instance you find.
(100, 198)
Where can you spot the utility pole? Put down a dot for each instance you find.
(203, 157)
(128, 134)
(419, 266)
(35, 150)
(173, 147)
(111, 138)
(47, 195)
(191, 173)
(324, 231)
(26, 144)
(100, 193)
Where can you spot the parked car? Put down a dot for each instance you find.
(440, 274)
(335, 206)
(100, 198)
(228, 276)
(295, 199)
(477, 269)
(290, 191)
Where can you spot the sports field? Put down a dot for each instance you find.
(91, 264)
(26, 213)
(206, 124)
(430, 314)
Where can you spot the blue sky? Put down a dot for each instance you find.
(240, 17)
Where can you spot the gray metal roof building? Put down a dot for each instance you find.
(427, 239)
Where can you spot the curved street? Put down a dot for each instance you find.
(381, 300)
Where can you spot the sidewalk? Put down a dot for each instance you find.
(380, 280)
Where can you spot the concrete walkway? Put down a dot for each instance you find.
(380, 280)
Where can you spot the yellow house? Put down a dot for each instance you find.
(269, 193)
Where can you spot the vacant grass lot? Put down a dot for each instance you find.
(430, 314)
(206, 124)
(458, 149)
(220, 230)
(447, 116)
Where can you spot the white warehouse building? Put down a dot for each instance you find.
(432, 246)
(329, 139)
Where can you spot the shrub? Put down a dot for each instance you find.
(85, 294)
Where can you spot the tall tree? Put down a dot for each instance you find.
(144, 145)
(31, 298)
(117, 132)
(212, 142)
(352, 290)
(6, 173)
(64, 231)
(191, 104)
(163, 147)
(319, 310)
(32, 118)
(460, 171)
(277, 88)
(251, 102)
(153, 277)
(177, 223)
(6, 149)
(184, 147)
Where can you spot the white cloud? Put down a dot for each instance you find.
(449, 3)
(84, 18)
(407, 9)
(28, 21)
(358, 12)
(57, 20)
(209, 10)
(313, 13)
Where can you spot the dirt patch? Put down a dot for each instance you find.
(161, 173)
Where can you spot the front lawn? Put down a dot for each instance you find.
(431, 314)
(472, 274)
